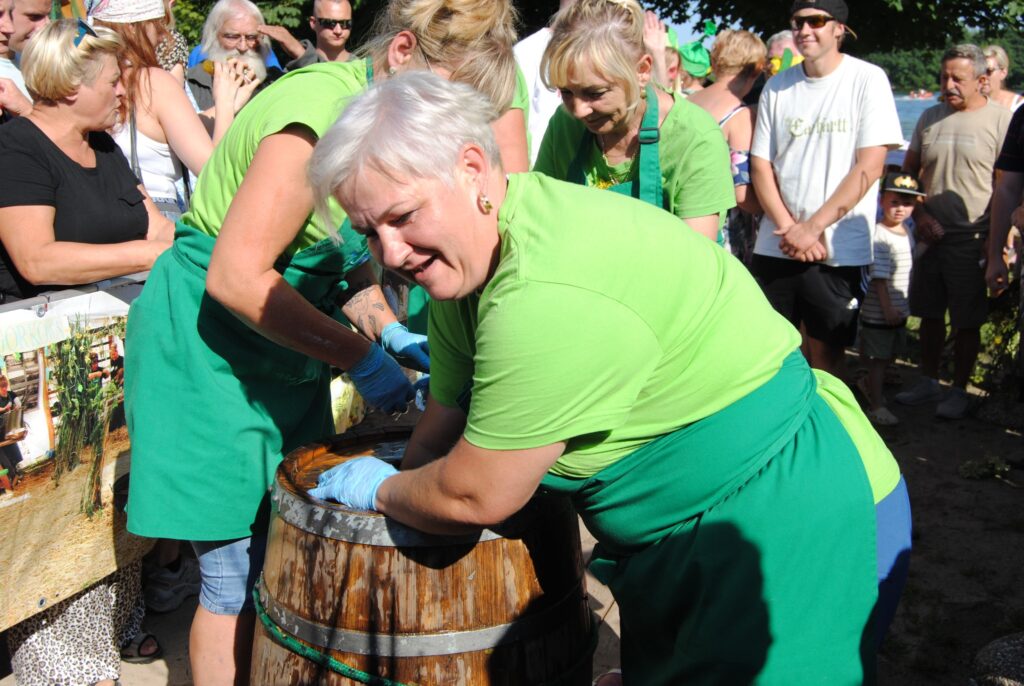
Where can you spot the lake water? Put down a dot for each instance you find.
(909, 110)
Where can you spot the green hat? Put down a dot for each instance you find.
(695, 58)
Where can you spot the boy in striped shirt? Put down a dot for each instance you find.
(883, 316)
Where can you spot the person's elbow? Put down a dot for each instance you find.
(746, 199)
(39, 270)
(224, 285)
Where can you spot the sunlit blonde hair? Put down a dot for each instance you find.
(997, 53)
(470, 39)
(54, 68)
(738, 52)
(606, 34)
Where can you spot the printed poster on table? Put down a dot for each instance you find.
(64, 446)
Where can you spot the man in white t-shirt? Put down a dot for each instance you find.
(543, 100)
(823, 129)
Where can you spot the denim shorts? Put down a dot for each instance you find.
(229, 570)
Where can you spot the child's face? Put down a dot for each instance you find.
(897, 207)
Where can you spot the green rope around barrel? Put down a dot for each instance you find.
(324, 660)
(314, 655)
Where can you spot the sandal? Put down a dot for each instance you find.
(132, 652)
(602, 681)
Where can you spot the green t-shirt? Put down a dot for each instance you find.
(694, 157)
(572, 340)
(314, 97)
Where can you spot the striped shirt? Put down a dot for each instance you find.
(893, 259)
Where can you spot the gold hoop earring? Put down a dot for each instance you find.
(485, 203)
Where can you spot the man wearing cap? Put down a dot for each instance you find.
(954, 149)
(822, 132)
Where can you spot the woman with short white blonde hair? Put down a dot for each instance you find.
(738, 551)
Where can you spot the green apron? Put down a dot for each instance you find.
(646, 184)
(201, 466)
(741, 548)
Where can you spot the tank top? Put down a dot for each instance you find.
(160, 167)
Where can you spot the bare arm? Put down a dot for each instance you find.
(264, 218)
(739, 131)
(364, 303)
(706, 225)
(767, 187)
(27, 233)
(468, 489)
(926, 227)
(1008, 194)
(510, 134)
(881, 288)
(802, 240)
(173, 112)
(435, 434)
(655, 40)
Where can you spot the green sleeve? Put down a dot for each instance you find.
(559, 145)
(695, 163)
(556, 362)
(451, 332)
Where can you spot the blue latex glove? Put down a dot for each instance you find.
(353, 483)
(422, 388)
(410, 349)
(381, 382)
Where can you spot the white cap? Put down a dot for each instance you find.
(128, 11)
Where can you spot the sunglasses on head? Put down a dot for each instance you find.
(329, 24)
(83, 30)
(815, 21)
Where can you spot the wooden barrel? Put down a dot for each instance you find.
(505, 606)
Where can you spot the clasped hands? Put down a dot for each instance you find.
(802, 241)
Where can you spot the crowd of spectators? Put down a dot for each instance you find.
(108, 122)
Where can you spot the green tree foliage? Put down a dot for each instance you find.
(919, 67)
(880, 24)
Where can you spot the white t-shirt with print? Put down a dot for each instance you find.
(810, 130)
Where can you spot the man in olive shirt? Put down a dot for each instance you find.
(953, 151)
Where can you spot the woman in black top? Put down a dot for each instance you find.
(71, 211)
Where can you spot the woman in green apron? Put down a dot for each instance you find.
(616, 130)
(731, 488)
(232, 338)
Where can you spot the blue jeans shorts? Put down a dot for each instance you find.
(229, 570)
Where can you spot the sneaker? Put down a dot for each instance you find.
(883, 417)
(926, 391)
(165, 591)
(955, 405)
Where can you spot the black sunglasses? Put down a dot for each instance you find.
(83, 30)
(815, 21)
(329, 24)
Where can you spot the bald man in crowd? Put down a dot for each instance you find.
(331, 23)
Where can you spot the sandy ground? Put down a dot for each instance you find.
(965, 586)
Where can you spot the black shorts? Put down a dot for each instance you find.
(826, 300)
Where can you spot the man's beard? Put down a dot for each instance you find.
(252, 59)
